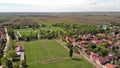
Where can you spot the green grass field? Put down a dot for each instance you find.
(27, 31)
(38, 51)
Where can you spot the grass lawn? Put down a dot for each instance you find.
(27, 31)
(37, 51)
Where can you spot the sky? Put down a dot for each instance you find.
(59, 5)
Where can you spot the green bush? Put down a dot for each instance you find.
(15, 65)
(4, 61)
(4, 66)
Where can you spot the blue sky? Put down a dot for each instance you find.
(59, 5)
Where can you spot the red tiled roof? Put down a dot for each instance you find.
(111, 57)
(105, 59)
(19, 48)
(94, 55)
(83, 42)
(109, 42)
(110, 65)
(70, 39)
(85, 36)
(84, 49)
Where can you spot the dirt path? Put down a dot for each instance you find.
(81, 54)
(19, 33)
(53, 60)
(62, 43)
(48, 61)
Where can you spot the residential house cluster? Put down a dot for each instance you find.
(111, 39)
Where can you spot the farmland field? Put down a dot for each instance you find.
(38, 51)
(78, 18)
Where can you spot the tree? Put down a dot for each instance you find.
(11, 54)
(43, 25)
(118, 55)
(31, 36)
(15, 65)
(69, 45)
(28, 38)
(97, 49)
(103, 52)
(4, 66)
(71, 52)
(10, 65)
(12, 45)
(92, 45)
(76, 49)
(12, 34)
(4, 61)
(23, 63)
(116, 62)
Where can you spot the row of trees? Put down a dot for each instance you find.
(70, 29)
(75, 29)
(42, 34)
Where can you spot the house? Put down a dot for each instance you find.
(84, 49)
(84, 42)
(101, 34)
(93, 56)
(19, 48)
(111, 54)
(70, 39)
(105, 26)
(110, 42)
(99, 41)
(103, 60)
(86, 36)
(117, 44)
(22, 56)
(20, 52)
(108, 65)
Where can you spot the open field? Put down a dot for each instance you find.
(27, 31)
(92, 19)
(51, 18)
(38, 51)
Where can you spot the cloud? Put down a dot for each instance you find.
(93, 2)
(58, 5)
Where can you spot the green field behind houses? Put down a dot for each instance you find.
(28, 31)
(38, 51)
